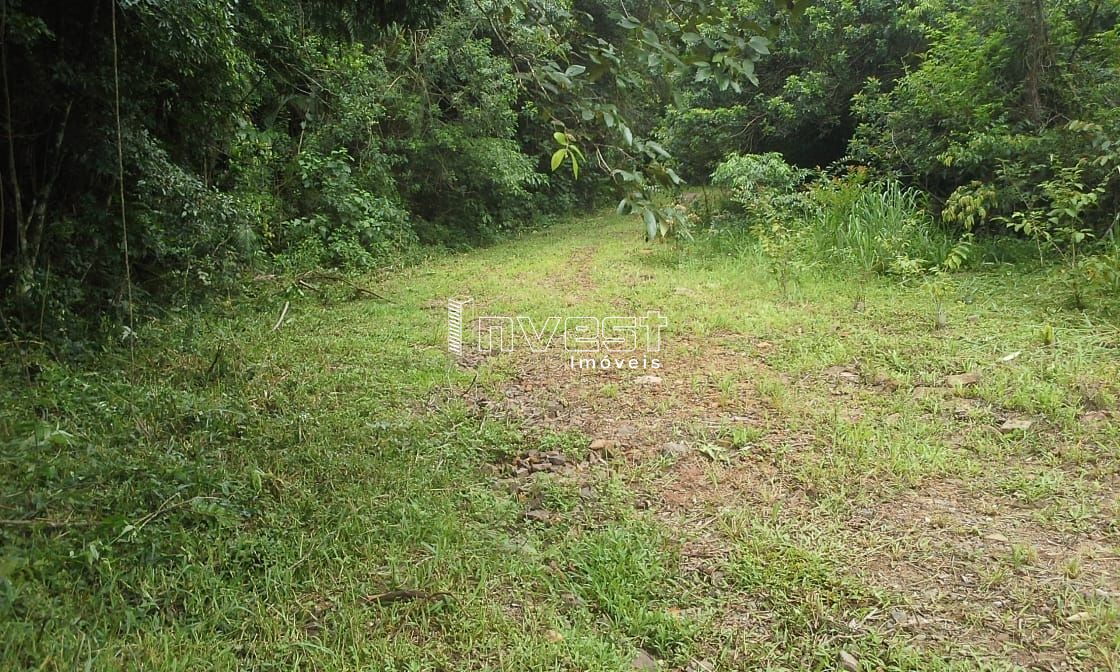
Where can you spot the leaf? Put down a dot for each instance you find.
(575, 168)
(714, 453)
(627, 135)
(748, 71)
(760, 44)
(658, 149)
(651, 224)
(558, 158)
(553, 636)
(623, 206)
(598, 71)
(1016, 425)
(561, 138)
(559, 78)
(575, 70)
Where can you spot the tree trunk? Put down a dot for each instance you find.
(1036, 55)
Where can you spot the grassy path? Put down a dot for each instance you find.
(802, 485)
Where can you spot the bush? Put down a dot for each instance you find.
(186, 233)
(247, 140)
(347, 226)
(749, 175)
(699, 138)
(1011, 117)
(875, 227)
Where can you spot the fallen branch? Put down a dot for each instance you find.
(214, 363)
(165, 507)
(283, 314)
(307, 285)
(303, 279)
(335, 278)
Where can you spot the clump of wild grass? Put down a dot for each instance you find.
(877, 228)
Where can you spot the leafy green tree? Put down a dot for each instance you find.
(1011, 100)
(802, 105)
(331, 132)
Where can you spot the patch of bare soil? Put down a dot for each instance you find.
(637, 410)
(977, 569)
(973, 571)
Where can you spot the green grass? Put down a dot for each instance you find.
(239, 497)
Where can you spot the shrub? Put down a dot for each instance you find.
(699, 138)
(749, 175)
(874, 227)
(348, 226)
(1011, 116)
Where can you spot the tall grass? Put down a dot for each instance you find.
(874, 227)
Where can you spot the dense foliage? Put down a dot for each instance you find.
(1016, 105)
(213, 456)
(319, 134)
(251, 132)
(802, 107)
(935, 122)
(200, 138)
